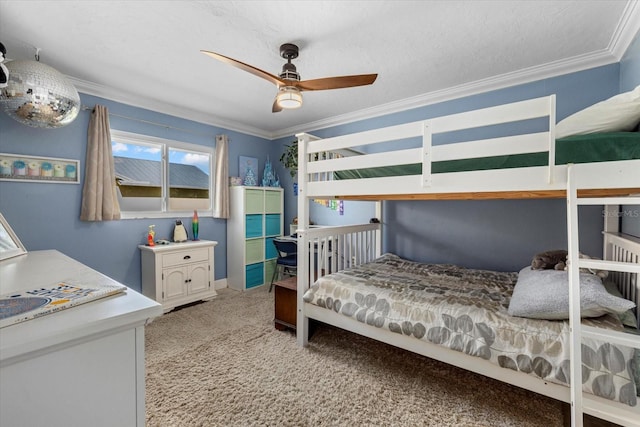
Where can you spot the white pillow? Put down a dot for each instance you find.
(620, 113)
(544, 294)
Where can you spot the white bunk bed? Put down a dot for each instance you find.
(610, 183)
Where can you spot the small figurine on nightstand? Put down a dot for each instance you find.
(194, 225)
(179, 232)
(151, 236)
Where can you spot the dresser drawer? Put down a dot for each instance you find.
(186, 256)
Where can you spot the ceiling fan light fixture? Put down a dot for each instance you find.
(289, 97)
(289, 85)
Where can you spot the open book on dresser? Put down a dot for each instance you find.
(25, 305)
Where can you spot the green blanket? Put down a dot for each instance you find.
(601, 147)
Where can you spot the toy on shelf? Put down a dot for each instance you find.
(250, 179)
(194, 225)
(269, 179)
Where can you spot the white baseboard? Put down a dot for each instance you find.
(220, 283)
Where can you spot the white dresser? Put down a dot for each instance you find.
(178, 273)
(83, 366)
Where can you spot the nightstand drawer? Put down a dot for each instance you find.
(179, 258)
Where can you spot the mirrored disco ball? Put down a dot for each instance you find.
(39, 96)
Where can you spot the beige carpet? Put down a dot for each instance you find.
(222, 363)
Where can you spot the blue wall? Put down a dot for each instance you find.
(46, 216)
(630, 66)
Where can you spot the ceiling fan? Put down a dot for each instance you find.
(288, 81)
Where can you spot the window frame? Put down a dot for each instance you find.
(166, 145)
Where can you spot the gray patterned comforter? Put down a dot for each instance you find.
(466, 310)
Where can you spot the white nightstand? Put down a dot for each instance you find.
(178, 273)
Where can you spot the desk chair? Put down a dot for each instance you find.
(287, 261)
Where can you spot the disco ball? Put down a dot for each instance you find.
(38, 95)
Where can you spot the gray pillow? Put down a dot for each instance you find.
(544, 294)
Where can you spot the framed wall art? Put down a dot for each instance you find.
(16, 167)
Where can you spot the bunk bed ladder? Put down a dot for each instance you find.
(580, 405)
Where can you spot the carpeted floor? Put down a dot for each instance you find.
(222, 363)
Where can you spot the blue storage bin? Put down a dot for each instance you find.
(272, 225)
(254, 275)
(253, 226)
(270, 250)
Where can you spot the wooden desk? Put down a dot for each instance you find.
(285, 303)
(83, 366)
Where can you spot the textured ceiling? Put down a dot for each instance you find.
(147, 53)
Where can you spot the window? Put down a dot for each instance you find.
(161, 178)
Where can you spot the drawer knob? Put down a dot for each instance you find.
(187, 257)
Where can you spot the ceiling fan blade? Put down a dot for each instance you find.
(276, 107)
(335, 82)
(246, 67)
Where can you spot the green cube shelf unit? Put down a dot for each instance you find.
(256, 218)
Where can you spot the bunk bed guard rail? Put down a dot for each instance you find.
(363, 148)
(334, 249)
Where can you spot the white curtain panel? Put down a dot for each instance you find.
(221, 198)
(99, 194)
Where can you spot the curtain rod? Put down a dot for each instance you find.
(86, 108)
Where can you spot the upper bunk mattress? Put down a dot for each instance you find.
(466, 310)
(597, 147)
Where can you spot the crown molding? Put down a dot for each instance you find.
(528, 75)
(123, 97)
(626, 30)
